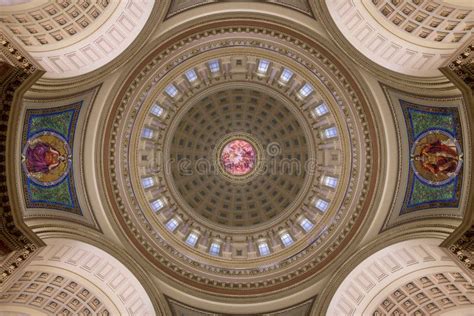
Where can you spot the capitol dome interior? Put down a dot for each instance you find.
(236, 157)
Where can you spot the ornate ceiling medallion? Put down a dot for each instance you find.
(239, 157)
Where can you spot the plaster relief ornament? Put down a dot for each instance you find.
(238, 157)
(46, 158)
(436, 157)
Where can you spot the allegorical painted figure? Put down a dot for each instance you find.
(436, 157)
(46, 158)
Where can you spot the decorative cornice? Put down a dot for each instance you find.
(179, 6)
(463, 251)
(460, 70)
(460, 67)
(18, 244)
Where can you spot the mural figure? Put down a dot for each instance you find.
(436, 157)
(42, 157)
(46, 158)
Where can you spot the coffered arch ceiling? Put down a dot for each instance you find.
(71, 277)
(409, 37)
(413, 277)
(70, 39)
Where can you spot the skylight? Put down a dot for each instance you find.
(306, 224)
(157, 205)
(286, 239)
(306, 90)
(330, 182)
(321, 109)
(156, 110)
(215, 249)
(263, 66)
(286, 75)
(192, 239)
(191, 75)
(263, 249)
(321, 205)
(147, 182)
(214, 65)
(171, 90)
(172, 224)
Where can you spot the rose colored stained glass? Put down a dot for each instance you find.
(238, 157)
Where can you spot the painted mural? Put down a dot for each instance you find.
(238, 157)
(47, 156)
(436, 157)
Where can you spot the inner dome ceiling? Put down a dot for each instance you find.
(324, 114)
(228, 201)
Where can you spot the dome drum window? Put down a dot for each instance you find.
(321, 205)
(148, 182)
(330, 182)
(191, 75)
(157, 205)
(215, 248)
(330, 132)
(263, 248)
(305, 90)
(286, 239)
(172, 224)
(147, 133)
(171, 90)
(321, 110)
(192, 239)
(286, 76)
(263, 66)
(306, 224)
(157, 110)
(214, 66)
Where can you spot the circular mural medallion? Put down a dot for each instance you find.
(46, 158)
(238, 157)
(436, 157)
